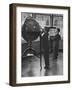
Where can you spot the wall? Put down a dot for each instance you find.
(4, 45)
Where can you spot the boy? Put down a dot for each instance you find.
(56, 44)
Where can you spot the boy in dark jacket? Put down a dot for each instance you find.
(56, 44)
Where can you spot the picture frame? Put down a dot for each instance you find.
(41, 13)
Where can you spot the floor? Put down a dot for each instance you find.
(31, 66)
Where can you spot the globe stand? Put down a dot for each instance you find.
(29, 51)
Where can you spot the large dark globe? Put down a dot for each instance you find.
(30, 29)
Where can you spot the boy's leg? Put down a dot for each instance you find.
(46, 58)
(56, 49)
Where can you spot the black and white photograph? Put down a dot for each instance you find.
(41, 44)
